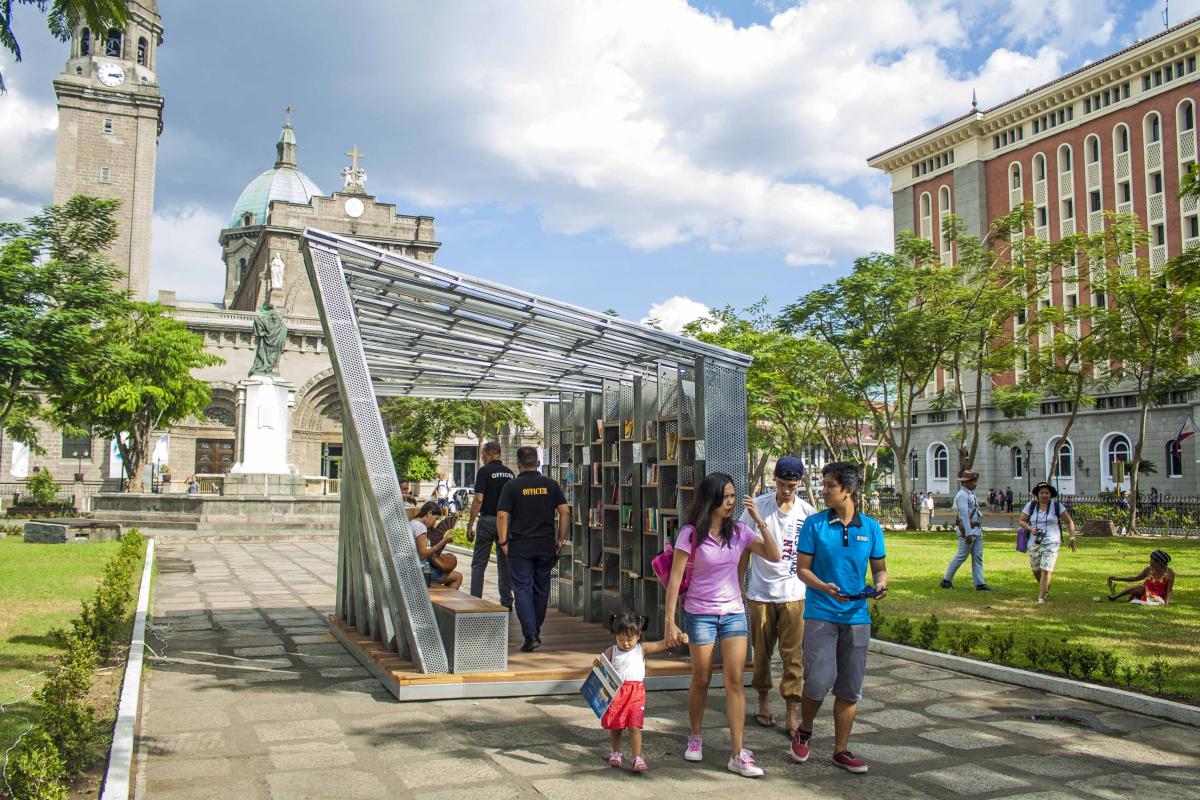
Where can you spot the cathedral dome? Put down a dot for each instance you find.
(284, 181)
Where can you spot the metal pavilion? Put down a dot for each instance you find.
(398, 326)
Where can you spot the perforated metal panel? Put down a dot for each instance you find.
(376, 484)
(725, 443)
(477, 642)
(668, 390)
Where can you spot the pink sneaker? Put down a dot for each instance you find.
(800, 745)
(695, 749)
(639, 764)
(615, 759)
(849, 762)
(743, 764)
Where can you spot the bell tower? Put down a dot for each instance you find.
(109, 120)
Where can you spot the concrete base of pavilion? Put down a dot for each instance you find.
(216, 515)
(559, 667)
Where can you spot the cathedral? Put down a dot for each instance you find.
(110, 120)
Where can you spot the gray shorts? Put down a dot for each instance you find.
(835, 658)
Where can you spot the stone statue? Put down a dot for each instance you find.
(277, 272)
(270, 334)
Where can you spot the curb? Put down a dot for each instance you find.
(1105, 695)
(120, 755)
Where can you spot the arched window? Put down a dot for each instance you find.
(1121, 138)
(1174, 459)
(926, 217)
(1066, 459)
(143, 50)
(241, 267)
(1039, 167)
(1092, 149)
(85, 42)
(1117, 450)
(1017, 456)
(1186, 116)
(1014, 179)
(1064, 158)
(1152, 127)
(940, 462)
(248, 218)
(943, 212)
(112, 43)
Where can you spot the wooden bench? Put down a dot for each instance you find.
(474, 631)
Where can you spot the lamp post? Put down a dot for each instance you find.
(1028, 467)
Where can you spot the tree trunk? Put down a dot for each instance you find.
(1135, 467)
(1054, 463)
(756, 471)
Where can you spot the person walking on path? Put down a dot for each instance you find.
(775, 596)
(489, 482)
(627, 711)
(1044, 517)
(525, 532)
(1008, 498)
(441, 491)
(832, 555)
(968, 519)
(928, 506)
(713, 610)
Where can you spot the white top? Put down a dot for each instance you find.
(629, 664)
(1046, 520)
(967, 506)
(418, 527)
(777, 583)
(927, 502)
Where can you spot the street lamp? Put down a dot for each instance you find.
(1028, 467)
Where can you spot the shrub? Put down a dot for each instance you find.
(927, 633)
(11, 530)
(877, 620)
(1000, 646)
(901, 631)
(1133, 675)
(61, 710)
(1108, 665)
(1157, 671)
(1036, 653)
(962, 641)
(42, 488)
(1087, 660)
(34, 770)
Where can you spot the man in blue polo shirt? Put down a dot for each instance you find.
(832, 554)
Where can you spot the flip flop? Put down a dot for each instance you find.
(765, 720)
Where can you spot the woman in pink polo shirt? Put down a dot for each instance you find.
(713, 608)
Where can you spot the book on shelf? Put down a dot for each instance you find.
(627, 429)
(670, 526)
(650, 520)
(616, 453)
(626, 515)
(672, 445)
(616, 493)
(597, 473)
(600, 429)
(652, 471)
(648, 433)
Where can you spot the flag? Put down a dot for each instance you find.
(1179, 437)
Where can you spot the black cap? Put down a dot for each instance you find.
(1161, 557)
(789, 468)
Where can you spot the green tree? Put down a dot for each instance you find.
(887, 325)
(420, 427)
(55, 288)
(139, 381)
(63, 18)
(1153, 325)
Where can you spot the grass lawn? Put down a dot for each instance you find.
(41, 586)
(916, 562)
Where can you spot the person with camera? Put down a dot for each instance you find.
(1045, 518)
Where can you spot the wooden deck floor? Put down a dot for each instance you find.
(562, 663)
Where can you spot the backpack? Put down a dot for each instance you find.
(442, 490)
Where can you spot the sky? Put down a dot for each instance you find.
(655, 157)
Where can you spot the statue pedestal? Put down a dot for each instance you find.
(264, 426)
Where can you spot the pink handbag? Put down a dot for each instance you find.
(662, 568)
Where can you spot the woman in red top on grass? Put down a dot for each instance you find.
(1156, 583)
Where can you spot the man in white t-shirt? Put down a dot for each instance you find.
(775, 597)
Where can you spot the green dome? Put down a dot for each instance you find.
(280, 183)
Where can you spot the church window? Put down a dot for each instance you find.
(248, 218)
(105, 175)
(78, 447)
(241, 267)
(112, 43)
(108, 125)
(143, 46)
(85, 42)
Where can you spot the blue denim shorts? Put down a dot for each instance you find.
(710, 628)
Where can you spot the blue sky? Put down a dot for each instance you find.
(611, 153)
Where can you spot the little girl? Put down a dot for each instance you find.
(627, 710)
(1154, 585)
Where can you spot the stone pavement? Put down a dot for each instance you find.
(251, 698)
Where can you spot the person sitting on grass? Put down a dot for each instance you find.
(1153, 586)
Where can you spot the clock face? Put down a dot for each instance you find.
(354, 207)
(111, 75)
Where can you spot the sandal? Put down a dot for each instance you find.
(765, 720)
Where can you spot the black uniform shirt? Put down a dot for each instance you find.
(489, 482)
(531, 500)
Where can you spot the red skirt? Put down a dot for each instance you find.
(627, 709)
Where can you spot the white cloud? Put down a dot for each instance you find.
(185, 256)
(675, 312)
(1151, 21)
(27, 144)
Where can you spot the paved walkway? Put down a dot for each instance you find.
(253, 699)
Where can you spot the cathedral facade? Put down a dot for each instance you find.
(110, 112)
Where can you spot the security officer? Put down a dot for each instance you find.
(526, 535)
(489, 482)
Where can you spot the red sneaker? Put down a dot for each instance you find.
(800, 745)
(849, 762)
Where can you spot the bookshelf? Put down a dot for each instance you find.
(634, 454)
